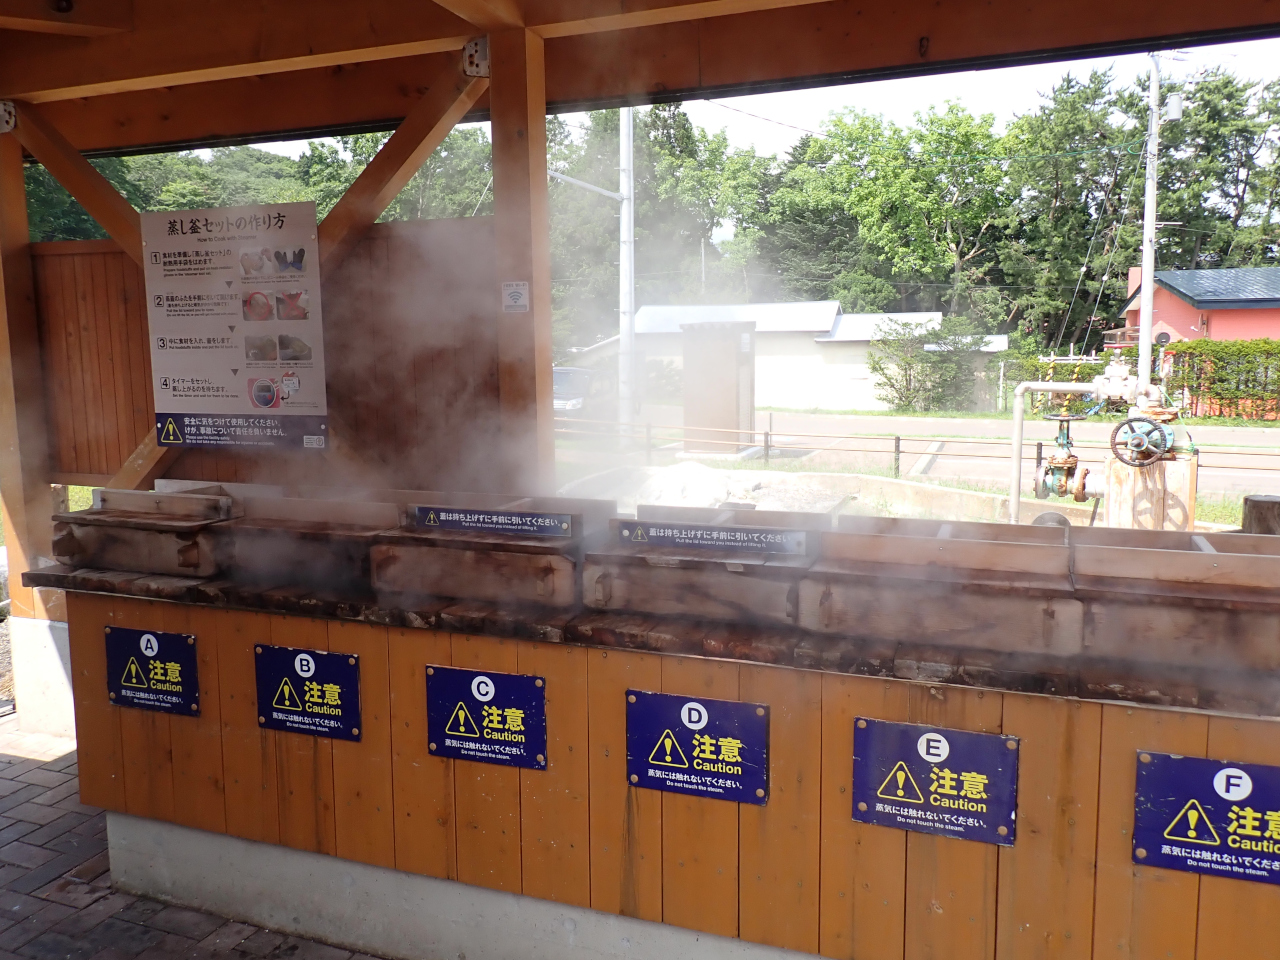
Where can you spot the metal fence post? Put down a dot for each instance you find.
(1039, 455)
(897, 458)
(648, 444)
(766, 446)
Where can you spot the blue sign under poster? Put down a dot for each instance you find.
(308, 691)
(707, 748)
(153, 670)
(1207, 816)
(518, 523)
(488, 717)
(953, 783)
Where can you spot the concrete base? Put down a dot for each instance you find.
(381, 911)
(42, 676)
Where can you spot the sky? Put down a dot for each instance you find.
(773, 122)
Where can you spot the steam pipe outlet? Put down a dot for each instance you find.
(1019, 395)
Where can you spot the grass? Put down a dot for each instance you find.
(1221, 508)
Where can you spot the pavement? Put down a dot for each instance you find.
(56, 900)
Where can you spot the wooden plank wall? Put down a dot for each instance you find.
(410, 343)
(796, 873)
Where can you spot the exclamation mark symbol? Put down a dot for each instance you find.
(1192, 817)
(902, 778)
(462, 722)
(666, 743)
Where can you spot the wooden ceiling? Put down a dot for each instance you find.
(117, 74)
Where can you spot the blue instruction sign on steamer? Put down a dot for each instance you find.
(710, 537)
(953, 783)
(707, 748)
(1207, 816)
(153, 670)
(308, 691)
(487, 717)
(515, 522)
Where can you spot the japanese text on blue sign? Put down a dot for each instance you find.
(153, 670)
(708, 748)
(1207, 816)
(308, 691)
(495, 521)
(487, 717)
(754, 539)
(931, 780)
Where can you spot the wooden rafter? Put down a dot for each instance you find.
(486, 14)
(446, 101)
(80, 20)
(91, 189)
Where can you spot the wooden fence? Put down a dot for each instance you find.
(796, 873)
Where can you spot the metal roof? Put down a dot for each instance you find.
(1238, 288)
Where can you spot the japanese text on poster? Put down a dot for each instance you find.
(233, 309)
(748, 539)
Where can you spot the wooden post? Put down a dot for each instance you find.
(1261, 514)
(518, 109)
(27, 502)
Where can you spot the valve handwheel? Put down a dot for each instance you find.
(1139, 442)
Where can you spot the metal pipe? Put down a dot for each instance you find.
(1019, 392)
(627, 392)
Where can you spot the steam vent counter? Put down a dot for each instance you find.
(424, 723)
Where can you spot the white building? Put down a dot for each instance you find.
(808, 355)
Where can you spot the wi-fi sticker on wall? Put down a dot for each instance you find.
(515, 296)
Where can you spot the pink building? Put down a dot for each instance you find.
(1238, 304)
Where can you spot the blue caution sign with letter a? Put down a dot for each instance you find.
(1207, 816)
(487, 717)
(308, 691)
(153, 670)
(707, 748)
(953, 783)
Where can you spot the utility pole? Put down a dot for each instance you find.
(626, 274)
(1146, 302)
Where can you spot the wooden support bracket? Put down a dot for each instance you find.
(94, 192)
(77, 20)
(446, 101)
(486, 14)
(144, 465)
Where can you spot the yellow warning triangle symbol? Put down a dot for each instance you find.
(286, 697)
(667, 752)
(1192, 825)
(170, 433)
(133, 675)
(900, 785)
(639, 535)
(461, 724)
(431, 521)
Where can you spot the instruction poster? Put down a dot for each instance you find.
(233, 309)
(953, 783)
(1207, 816)
(308, 691)
(487, 717)
(708, 748)
(514, 522)
(153, 670)
(741, 539)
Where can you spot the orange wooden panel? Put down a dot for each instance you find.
(555, 818)
(700, 835)
(199, 797)
(423, 784)
(362, 792)
(487, 796)
(248, 751)
(779, 843)
(626, 821)
(304, 764)
(144, 734)
(1046, 878)
(1140, 912)
(864, 867)
(99, 753)
(951, 884)
(1231, 910)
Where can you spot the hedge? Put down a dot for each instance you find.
(1239, 378)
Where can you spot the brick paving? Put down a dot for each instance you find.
(56, 901)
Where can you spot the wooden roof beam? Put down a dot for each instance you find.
(486, 14)
(447, 100)
(78, 20)
(80, 178)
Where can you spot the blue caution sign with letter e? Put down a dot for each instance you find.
(707, 748)
(952, 783)
(153, 670)
(1207, 816)
(308, 691)
(488, 717)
